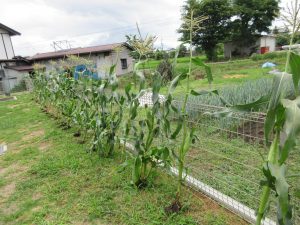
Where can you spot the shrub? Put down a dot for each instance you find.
(269, 55)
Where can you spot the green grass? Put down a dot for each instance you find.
(225, 73)
(47, 177)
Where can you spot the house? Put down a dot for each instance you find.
(264, 44)
(103, 57)
(12, 68)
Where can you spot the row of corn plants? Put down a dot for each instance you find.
(109, 117)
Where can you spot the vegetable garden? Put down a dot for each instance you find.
(223, 146)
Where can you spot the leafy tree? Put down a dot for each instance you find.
(284, 39)
(252, 17)
(214, 28)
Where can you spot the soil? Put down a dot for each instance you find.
(77, 134)
(175, 207)
(235, 76)
(251, 131)
(37, 133)
(44, 146)
(215, 208)
(199, 75)
(8, 190)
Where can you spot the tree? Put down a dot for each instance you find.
(214, 29)
(251, 18)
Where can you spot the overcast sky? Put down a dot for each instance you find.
(88, 22)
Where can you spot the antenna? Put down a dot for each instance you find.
(61, 45)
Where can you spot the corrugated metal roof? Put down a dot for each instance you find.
(76, 51)
(11, 31)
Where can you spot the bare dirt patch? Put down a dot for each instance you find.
(37, 209)
(33, 134)
(10, 209)
(8, 190)
(36, 196)
(12, 106)
(44, 146)
(13, 170)
(227, 76)
(26, 110)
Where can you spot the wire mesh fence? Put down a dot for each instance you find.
(228, 158)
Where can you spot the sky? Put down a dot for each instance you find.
(89, 22)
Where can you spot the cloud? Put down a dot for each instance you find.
(87, 22)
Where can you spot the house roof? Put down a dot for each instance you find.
(24, 68)
(10, 31)
(16, 59)
(77, 51)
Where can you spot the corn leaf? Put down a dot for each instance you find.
(282, 190)
(291, 127)
(197, 61)
(137, 169)
(253, 106)
(295, 69)
(178, 128)
(273, 104)
(175, 82)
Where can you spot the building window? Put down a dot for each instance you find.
(124, 64)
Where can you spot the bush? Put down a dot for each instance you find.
(269, 55)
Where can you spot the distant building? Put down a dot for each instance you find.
(264, 44)
(103, 56)
(12, 68)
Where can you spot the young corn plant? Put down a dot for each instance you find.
(191, 24)
(109, 114)
(150, 126)
(148, 154)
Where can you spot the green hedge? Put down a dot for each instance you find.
(269, 55)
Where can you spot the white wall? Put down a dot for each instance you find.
(105, 62)
(6, 48)
(268, 41)
(102, 61)
(11, 79)
(264, 41)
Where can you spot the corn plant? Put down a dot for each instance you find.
(191, 24)
(109, 114)
(148, 154)
(282, 122)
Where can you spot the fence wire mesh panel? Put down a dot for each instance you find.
(228, 158)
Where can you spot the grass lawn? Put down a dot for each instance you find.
(47, 177)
